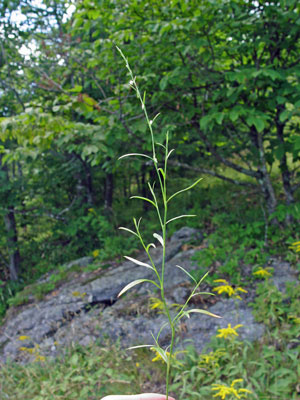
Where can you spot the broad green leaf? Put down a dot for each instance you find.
(135, 261)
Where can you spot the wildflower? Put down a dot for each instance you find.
(96, 253)
(295, 246)
(78, 294)
(29, 350)
(22, 338)
(156, 303)
(224, 390)
(211, 360)
(227, 288)
(263, 273)
(38, 357)
(229, 331)
(158, 357)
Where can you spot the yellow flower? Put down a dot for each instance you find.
(229, 331)
(38, 357)
(224, 390)
(29, 350)
(22, 338)
(224, 289)
(295, 246)
(78, 294)
(227, 288)
(96, 253)
(211, 360)
(156, 303)
(262, 273)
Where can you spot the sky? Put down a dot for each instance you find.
(18, 18)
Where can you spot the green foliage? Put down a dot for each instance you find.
(82, 373)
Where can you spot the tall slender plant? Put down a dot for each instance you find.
(162, 213)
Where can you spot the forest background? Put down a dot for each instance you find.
(224, 76)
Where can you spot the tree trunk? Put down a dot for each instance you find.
(265, 180)
(12, 236)
(109, 189)
(12, 243)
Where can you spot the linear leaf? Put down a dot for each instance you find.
(181, 216)
(186, 272)
(199, 293)
(150, 245)
(135, 154)
(200, 311)
(170, 152)
(159, 238)
(162, 172)
(134, 283)
(138, 262)
(140, 346)
(143, 198)
(155, 118)
(160, 144)
(184, 190)
(128, 230)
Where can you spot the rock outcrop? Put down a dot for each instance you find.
(83, 311)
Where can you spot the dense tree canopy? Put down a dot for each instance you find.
(224, 76)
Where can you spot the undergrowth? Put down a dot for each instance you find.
(269, 369)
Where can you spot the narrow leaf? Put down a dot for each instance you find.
(139, 346)
(162, 172)
(138, 262)
(199, 293)
(135, 154)
(200, 311)
(150, 245)
(184, 190)
(128, 230)
(143, 198)
(159, 238)
(181, 216)
(170, 152)
(155, 117)
(186, 272)
(134, 283)
(162, 145)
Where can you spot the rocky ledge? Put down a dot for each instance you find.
(84, 311)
